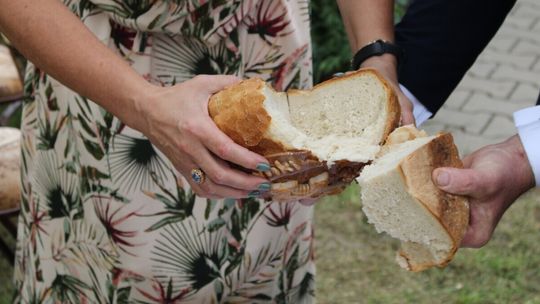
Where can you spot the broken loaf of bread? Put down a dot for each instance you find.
(317, 140)
(400, 198)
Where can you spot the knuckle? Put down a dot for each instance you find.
(218, 177)
(489, 188)
(183, 146)
(189, 127)
(467, 183)
(198, 192)
(480, 239)
(223, 149)
(201, 78)
(205, 194)
(205, 188)
(212, 194)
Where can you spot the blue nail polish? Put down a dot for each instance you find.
(264, 186)
(254, 194)
(263, 167)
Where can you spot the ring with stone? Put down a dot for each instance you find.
(198, 176)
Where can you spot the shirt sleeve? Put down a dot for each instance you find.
(528, 124)
(420, 113)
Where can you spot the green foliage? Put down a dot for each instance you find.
(331, 50)
(400, 8)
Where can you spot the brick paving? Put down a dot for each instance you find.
(504, 79)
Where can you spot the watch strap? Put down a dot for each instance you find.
(376, 48)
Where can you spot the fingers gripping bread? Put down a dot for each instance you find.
(318, 140)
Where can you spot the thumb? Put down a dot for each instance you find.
(458, 181)
(215, 83)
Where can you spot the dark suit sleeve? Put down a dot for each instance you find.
(442, 39)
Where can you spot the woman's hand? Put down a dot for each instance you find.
(176, 120)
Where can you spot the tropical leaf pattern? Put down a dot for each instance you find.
(105, 216)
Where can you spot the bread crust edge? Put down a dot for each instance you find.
(451, 211)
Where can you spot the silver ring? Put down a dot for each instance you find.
(198, 176)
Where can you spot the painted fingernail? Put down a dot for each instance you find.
(443, 178)
(253, 194)
(264, 186)
(263, 167)
(339, 74)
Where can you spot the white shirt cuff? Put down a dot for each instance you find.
(420, 113)
(528, 124)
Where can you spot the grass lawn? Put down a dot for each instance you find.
(356, 265)
(6, 271)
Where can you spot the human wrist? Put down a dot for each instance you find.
(387, 59)
(386, 64)
(137, 106)
(378, 48)
(521, 165)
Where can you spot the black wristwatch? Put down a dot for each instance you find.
(376, 48)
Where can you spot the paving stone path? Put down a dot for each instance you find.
(504, 79)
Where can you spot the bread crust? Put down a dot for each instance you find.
(452, 211)
(240, 113)
(11, 87)
(9, 168)
(392, 106)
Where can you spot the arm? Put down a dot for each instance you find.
(64, 48)
(368, 20)
(174, 118)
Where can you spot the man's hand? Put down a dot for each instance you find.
(387, 66)
(493, 177)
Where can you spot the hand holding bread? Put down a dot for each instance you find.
(321, 140)
(493, 178)
(176, 121)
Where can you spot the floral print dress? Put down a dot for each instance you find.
(106, 219)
